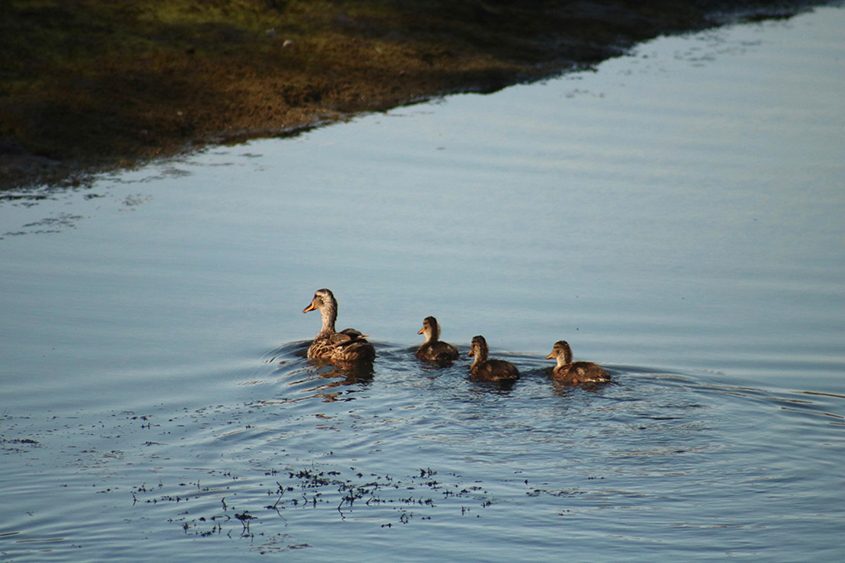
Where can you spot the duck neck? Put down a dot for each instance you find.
(479, 357)
(431, 336)
(329, 313)
(564, 356)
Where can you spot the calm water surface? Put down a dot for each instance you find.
(675, 215)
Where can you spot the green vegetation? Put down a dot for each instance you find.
(87, 84)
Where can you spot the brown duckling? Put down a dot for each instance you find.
(433, 349)
(489, 370)
(577, 373)
(346, 346)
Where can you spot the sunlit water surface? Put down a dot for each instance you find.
(676, 215)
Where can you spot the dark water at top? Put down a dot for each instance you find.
(675, 215)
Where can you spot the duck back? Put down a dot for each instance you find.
(494, 370)
(580, 373)
(349, 345)
(438, 352)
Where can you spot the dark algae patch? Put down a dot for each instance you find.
(382, 500)
(89, 85)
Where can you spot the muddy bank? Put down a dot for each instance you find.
(92, 85)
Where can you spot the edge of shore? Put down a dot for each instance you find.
(103, 86)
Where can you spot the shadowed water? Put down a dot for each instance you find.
(676, 215)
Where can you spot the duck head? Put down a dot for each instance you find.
(561, 352)
(325, 302)
(478, 348)
(430, 329)
(322, 297)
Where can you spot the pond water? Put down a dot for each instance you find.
(676, 215)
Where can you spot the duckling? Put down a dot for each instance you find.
(489, 370)
(574, 373)
(346, 346)
(433, 349)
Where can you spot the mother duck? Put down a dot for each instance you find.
(346, 346)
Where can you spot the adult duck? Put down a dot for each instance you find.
(346, 346)
(433, 349)
(578, 373)
(489, 370)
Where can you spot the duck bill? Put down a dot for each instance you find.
(420, 331)
(470, 353)
(309, 308)
(551, 356)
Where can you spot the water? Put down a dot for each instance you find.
(675, 215)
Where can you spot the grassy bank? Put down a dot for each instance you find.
(87, 85)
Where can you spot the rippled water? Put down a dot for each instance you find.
(675, 215)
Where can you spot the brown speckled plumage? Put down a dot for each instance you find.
(489, 370)
(433, 349)
(577, 373)
(346, 346)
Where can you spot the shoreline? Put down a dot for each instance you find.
(112, 87)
